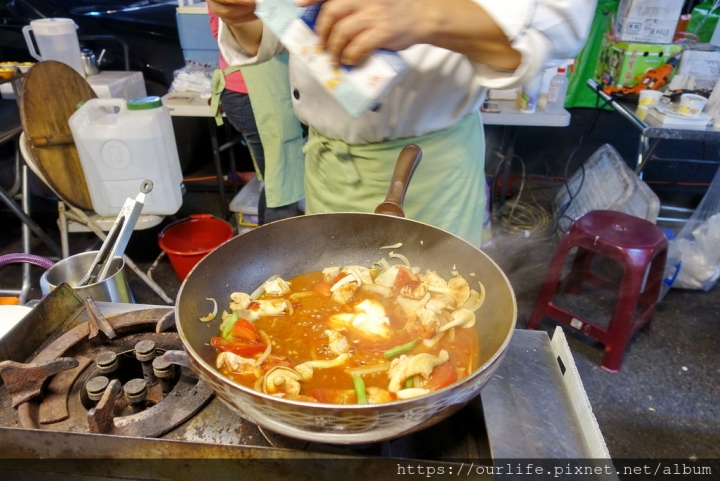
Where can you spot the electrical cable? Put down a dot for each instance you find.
(523, 217)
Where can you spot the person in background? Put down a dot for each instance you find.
(236, 103)
(456, 49)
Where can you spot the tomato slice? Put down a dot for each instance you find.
(404, 278)
(241, 348)
(244, 330)
(441, 376)
(323, 289)
(335, 396)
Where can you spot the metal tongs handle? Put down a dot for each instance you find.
(118, 237)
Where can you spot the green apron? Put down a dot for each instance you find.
(280, 130)
(446, 191)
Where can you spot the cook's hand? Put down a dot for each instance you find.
(234, 12)
(351, 29)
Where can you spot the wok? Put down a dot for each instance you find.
(312, 242)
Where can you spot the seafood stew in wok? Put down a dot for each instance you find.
(351, 334)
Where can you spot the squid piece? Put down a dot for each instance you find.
(406, 367)
(462, 318)
(330, 273)
(377, 395)
(431, 278)
(457, 288)
(240, 301)
(344, 290)
(360, 274)
(281, 379)
(416, 293)
(338, 343)
(235, 363)
(439, 302)
(412, 307)
(277, 287)
(271, 307)
(306, 369)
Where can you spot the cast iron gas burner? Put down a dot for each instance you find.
(105, 374)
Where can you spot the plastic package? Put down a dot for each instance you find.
(245, 204)
(530, 94)
(194, 77)
(557, 92)
(605, 182)
(698, 244)
(120, 143)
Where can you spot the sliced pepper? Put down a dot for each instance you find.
(244, 330)
(360, 392)
(241, 348)
(402, 349)
(228, 325)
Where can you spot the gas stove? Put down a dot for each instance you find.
(88, 380)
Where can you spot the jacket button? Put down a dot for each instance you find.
(296, 94)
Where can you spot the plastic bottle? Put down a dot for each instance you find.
(557, 92)
(120, 143)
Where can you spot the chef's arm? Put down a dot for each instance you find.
(239, 17)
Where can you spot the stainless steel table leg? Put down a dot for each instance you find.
(25, 289)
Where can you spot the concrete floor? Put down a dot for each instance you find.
(662, 404)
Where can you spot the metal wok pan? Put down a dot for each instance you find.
(309, 243)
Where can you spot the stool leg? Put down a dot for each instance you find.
(547, 290)
(580, 267)
(620, 328)
(648, 299)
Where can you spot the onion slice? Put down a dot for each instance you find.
(402, 258)
(371, 369)
(265, 354)
(212, 315)
(394, 246)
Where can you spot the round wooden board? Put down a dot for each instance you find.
(50, 92)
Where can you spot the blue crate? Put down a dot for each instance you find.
(195, 33)
(202, 56)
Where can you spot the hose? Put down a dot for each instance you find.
(29, 258)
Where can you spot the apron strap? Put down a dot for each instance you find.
(217, 85)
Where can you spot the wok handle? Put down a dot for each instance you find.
(407, 161)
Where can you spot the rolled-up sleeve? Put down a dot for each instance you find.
(236, 55)
(541, 31)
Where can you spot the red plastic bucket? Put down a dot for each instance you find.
(189, 240)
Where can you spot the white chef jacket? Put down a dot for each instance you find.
(440, 87)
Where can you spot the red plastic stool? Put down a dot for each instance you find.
(635, 244)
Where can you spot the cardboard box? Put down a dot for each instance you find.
(357, 89)
(702, 63)
(648, 21)
(622, 64)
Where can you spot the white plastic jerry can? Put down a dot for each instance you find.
(121, 143)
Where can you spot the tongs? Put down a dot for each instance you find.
(118, 237)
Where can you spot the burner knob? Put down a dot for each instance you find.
(164, 371)
(136, 393)
(96, 386)
(145, 350)
(106, 362)
(145, 353)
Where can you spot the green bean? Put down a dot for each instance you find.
(402, 349)
(360, 389)
(232, 318)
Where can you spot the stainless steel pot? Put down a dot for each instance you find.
(308, 243)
